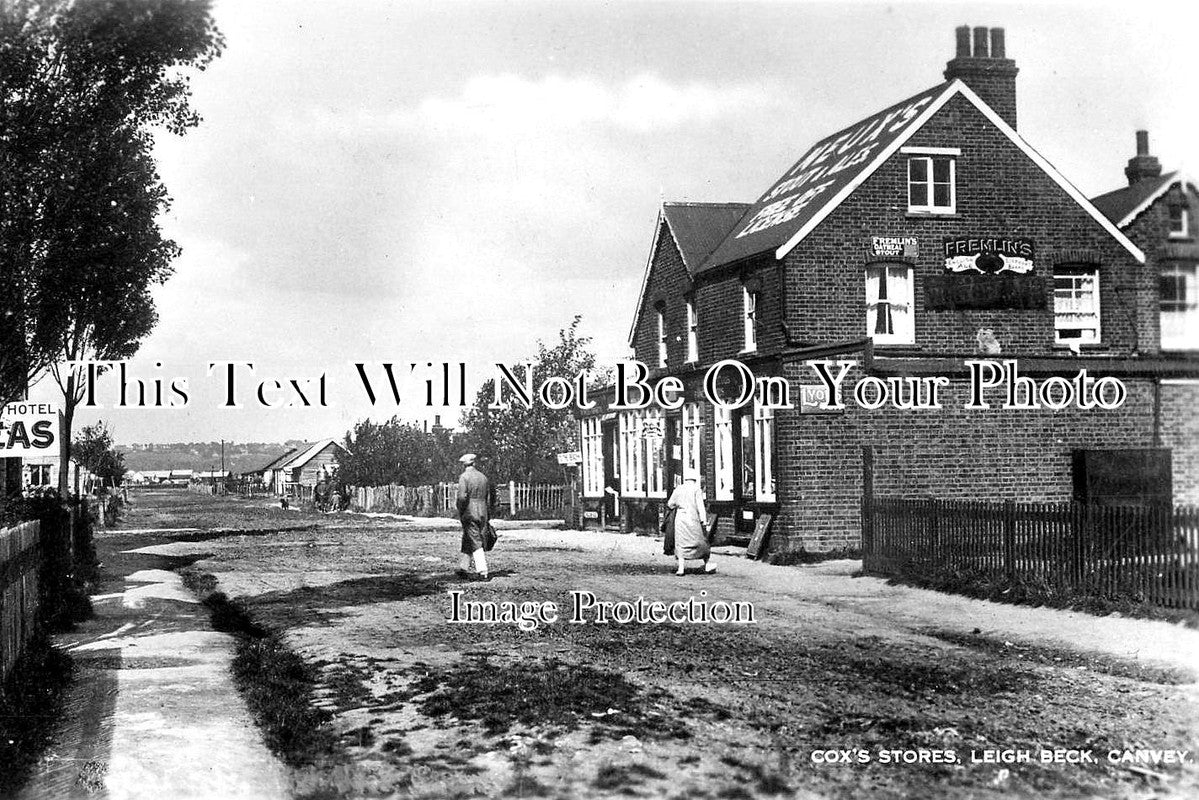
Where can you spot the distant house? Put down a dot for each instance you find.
(211, 476)
(266, 473)
(42, 472)
(306, 468)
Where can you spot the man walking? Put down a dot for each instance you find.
(474, 495)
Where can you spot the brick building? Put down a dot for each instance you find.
(921, 237)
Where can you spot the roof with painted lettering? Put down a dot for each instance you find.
(818, 178)
(835, 166)
(1124, 205)
(698, 228)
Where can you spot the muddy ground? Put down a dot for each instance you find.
(423, 707)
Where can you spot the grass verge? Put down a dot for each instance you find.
(1035, 593)
(277, 684)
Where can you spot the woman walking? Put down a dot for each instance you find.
(690, 536)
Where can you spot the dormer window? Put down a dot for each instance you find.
(1180, 222)
(932, 179)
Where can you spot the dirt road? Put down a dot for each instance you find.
(832, 668)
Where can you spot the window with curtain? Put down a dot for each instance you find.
(889, 306)
(692, 331)
(1076, 305)
(1179, 307)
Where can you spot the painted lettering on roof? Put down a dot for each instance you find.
(814, 180)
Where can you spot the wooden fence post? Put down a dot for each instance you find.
(512, 498)
(1009, 539)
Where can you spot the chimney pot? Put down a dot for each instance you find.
(980, 42)
(963, 33)
(1142, 143)
(997, 45)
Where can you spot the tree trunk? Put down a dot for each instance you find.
(64, 436)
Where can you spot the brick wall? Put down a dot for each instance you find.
(1180, 432)
(1000, 192)
(1150, 231)
(668, 283)
(949, 453)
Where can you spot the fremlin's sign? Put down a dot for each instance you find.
(988, 256)
(28, 429)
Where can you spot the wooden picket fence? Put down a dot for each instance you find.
(20, 568)
(1144, 553)
(441, 499)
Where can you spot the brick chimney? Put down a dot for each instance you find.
(983, 66)
(1142, 166)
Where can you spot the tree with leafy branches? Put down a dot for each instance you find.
(83, 85)
(520, 443)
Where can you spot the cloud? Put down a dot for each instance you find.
(503, 104)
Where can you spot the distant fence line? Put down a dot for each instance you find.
(20, 570)
(1142, 553)
(241, 488)
(441, 499)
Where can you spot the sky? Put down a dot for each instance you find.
(428, 182)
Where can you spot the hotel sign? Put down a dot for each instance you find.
(979, 255)
(28, 428)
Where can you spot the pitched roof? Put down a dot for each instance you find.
(307, 455)
(274, 462)
(835, 166)
(698, 228)
(1124, 205)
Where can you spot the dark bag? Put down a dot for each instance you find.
(490, 537)
(668, 529)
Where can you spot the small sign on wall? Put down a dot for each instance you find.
(652, 429)
(894, 246)
(988, 256)
(813, 399)
(954, 292)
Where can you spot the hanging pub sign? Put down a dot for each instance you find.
(894, 246)
(979, 255)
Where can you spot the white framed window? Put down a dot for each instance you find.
(722, 445)
(1076, 305)
(764, 452)
(1180, 222)
(749, 315)
(692, 331)
(890, 310)
(592, 440)
(932, 185)
(642, 453)
(653, 439)
(693, 437)
(632, 478)
(1180, 307)
(39, 474)
(661, 337)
